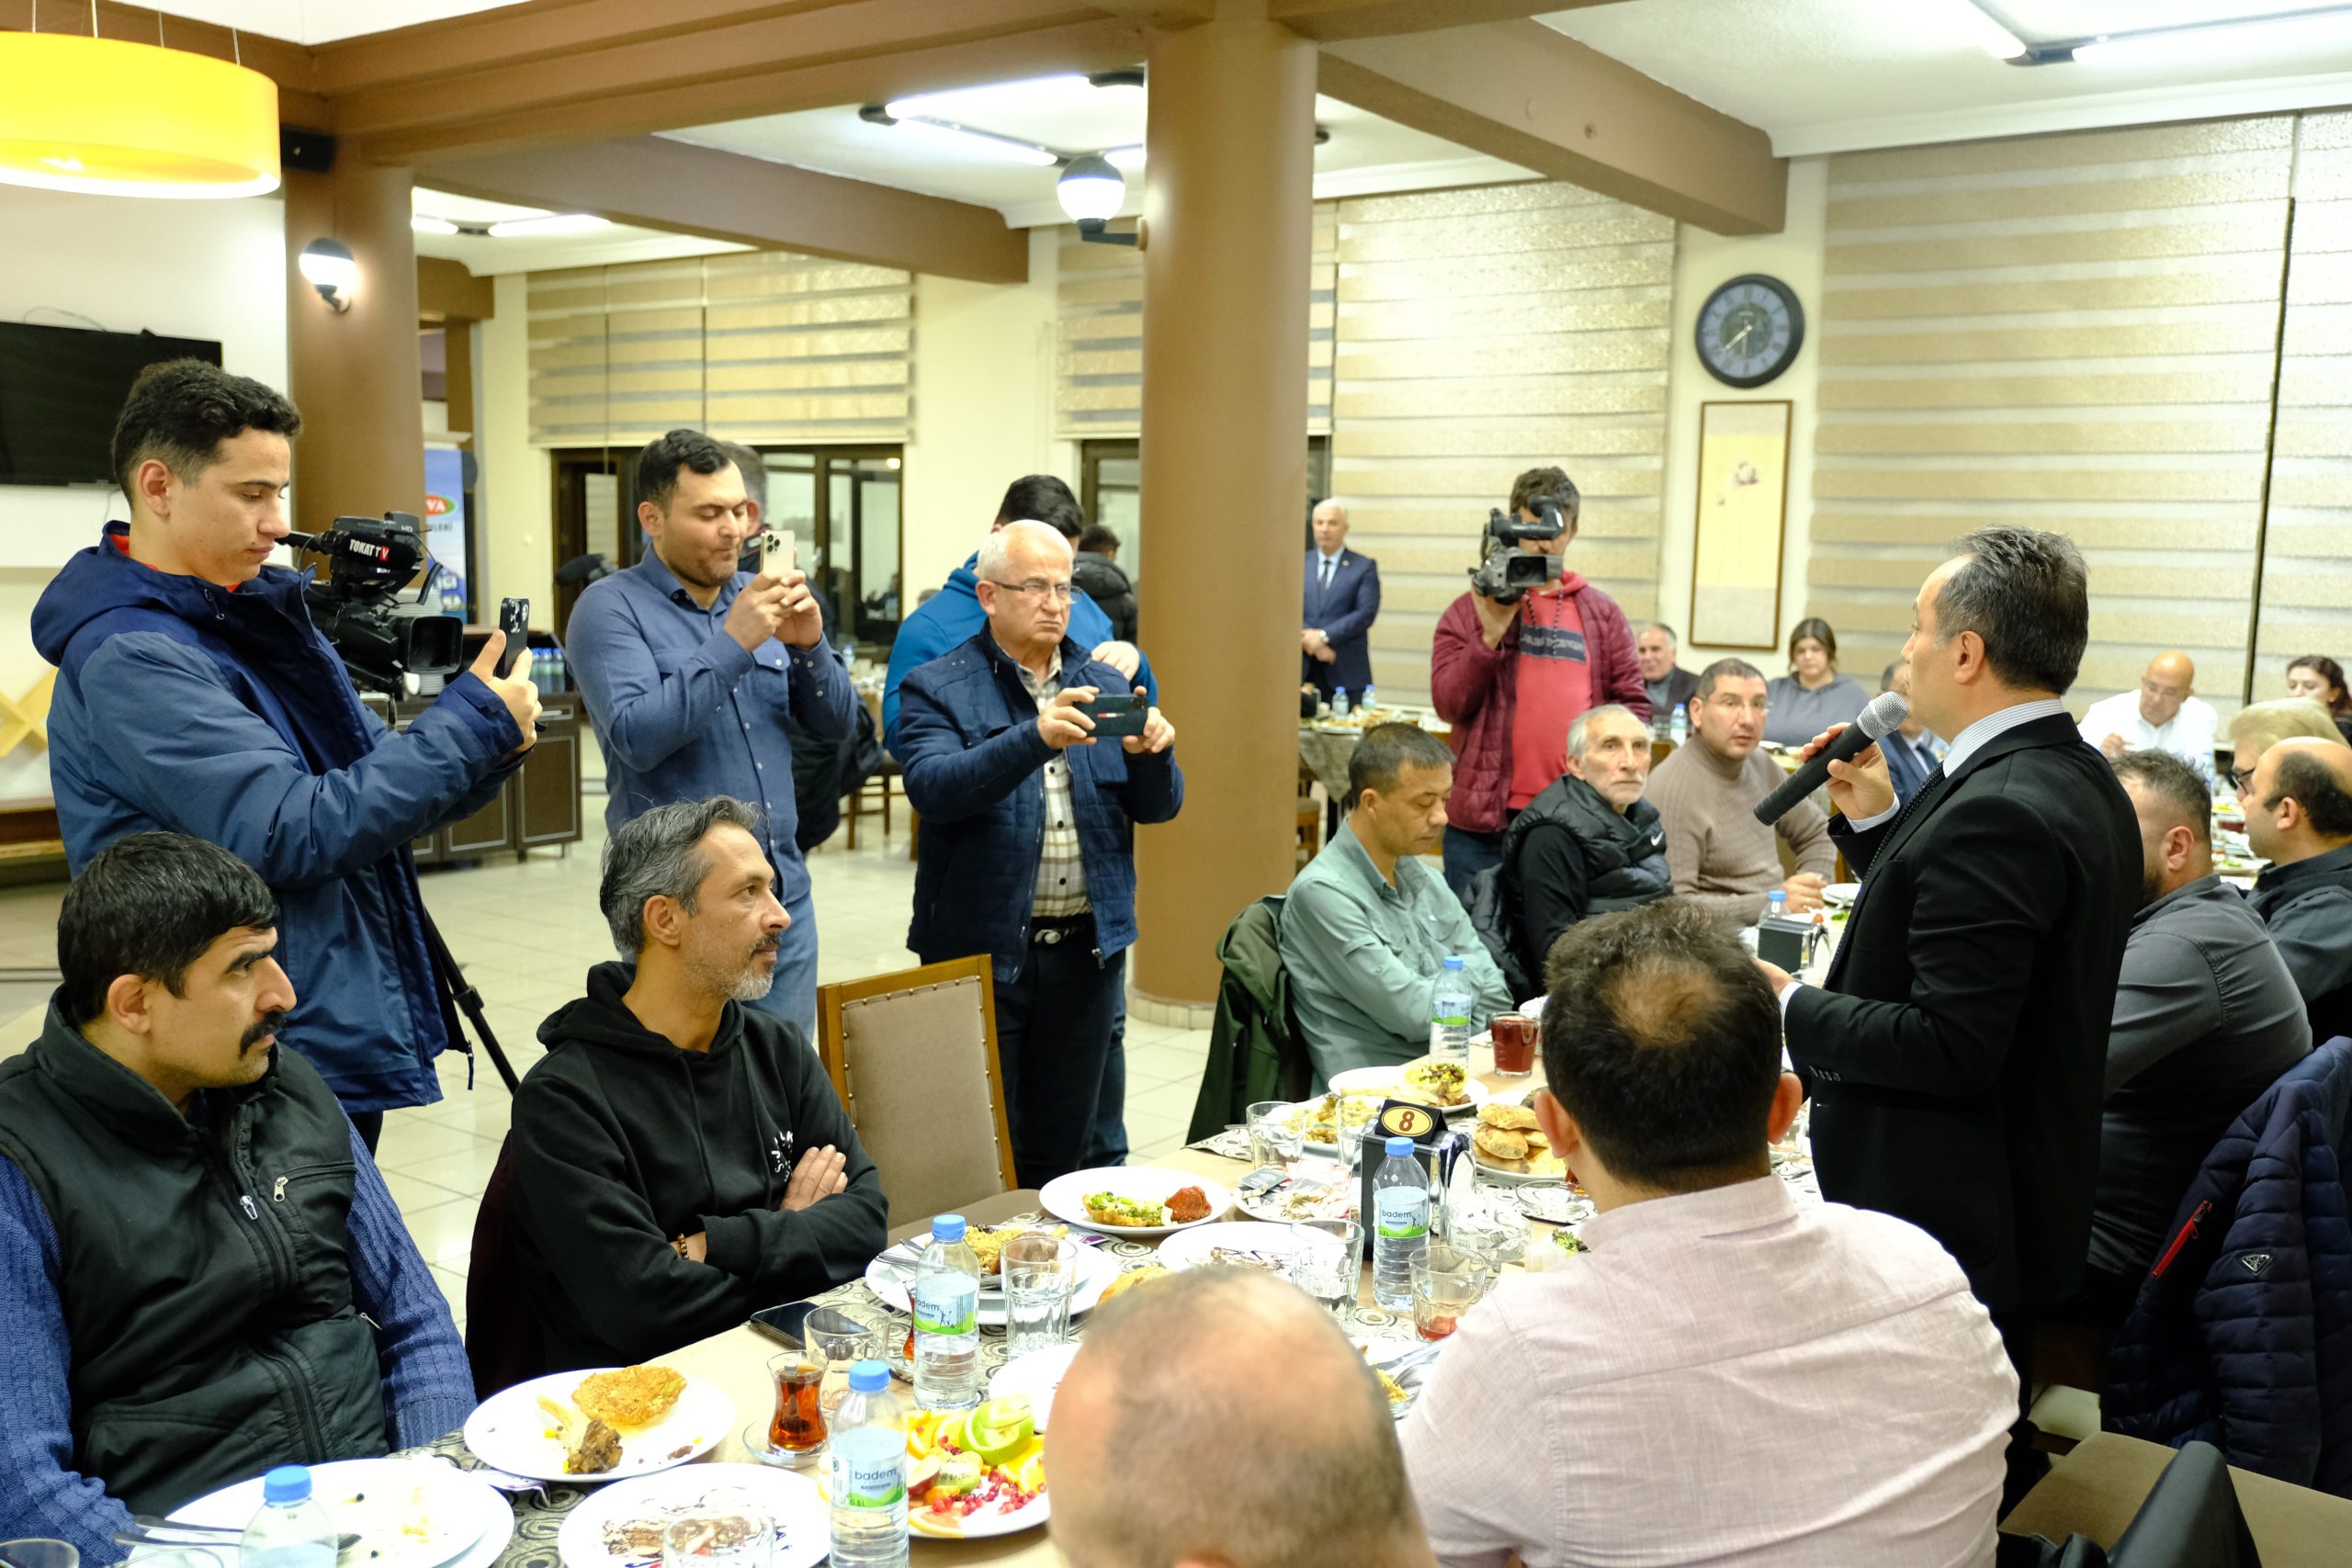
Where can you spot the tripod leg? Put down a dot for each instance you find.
(469, 1000)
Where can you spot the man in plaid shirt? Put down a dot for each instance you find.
(1027, 848)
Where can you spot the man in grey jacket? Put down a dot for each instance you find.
(2299, 817)
(2207, 1018)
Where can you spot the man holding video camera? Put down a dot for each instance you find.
(194, 695)
(1515, 660)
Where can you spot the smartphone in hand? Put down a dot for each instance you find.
(515, 620)
(779, 552)
(1116, 714)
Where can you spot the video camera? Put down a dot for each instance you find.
(1509, 571)
(356, 605)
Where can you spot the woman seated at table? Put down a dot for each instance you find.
(1812, 695)
(2321, 678)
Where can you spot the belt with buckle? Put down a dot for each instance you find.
(1060, 928)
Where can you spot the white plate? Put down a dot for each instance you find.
(1838, 894)
(1335, 1200)
(981, 1527)
(803, 1523)
(1197, 1248)
(1036, 1376)
(1065, 1196)
(1095, 1272)
(1553, 1203)
(508, 1431)
(1378, 1081)
(466, 1522)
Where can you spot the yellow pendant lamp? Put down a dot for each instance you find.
(103, 117)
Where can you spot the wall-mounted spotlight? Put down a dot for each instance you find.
(332, 270)
(1092, 191)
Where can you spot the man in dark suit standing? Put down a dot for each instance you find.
(1342, 599)
(1955, 1052)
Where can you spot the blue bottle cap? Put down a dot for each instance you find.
(1453, 964)
(869, 1377)
(286, 1483)
(947, 1228)
(1400, 1147)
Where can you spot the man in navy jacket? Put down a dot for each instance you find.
(1341, 599)
(194, 695)
(1028, 835)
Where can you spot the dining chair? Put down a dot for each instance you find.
(505, 1344)
(913, 1054)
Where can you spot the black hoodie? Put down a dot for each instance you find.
(623, 1141)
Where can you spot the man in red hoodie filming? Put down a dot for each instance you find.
(1510, 668)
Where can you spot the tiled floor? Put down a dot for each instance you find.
(526, 933)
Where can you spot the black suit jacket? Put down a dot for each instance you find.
(1955, 1053)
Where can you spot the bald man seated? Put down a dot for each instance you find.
(2299, 817)
(2165, 714)
(1219, 1415)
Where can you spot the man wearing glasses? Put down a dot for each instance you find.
(2164, 714)
(1722, 858)
(1028, 830)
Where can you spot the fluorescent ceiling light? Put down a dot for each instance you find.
(1976, 26)
(550, 227)
(423, 223)
(962, 103)
(1125, 157)
(2315, 31)
(987, 143)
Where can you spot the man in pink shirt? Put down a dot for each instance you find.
(1511, 675)
(1722, 1376)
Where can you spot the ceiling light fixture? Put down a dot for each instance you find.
(105, 117)
(1988, 32)
(2329, 29)
(899, 113)
(332, 270)
(423, 223)
(1092, 192)
(553, 225)
(1125, 158)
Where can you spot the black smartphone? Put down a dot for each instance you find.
(515, 620)
(1116, 714)
(783, 1324)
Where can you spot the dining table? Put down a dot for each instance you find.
(735, 1361)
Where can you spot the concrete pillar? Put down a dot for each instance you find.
(1227, 216)
(354, 375)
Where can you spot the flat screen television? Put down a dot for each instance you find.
(60, 389)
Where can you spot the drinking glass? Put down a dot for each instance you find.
(839, 1341)
(38, 1552)
(1447, 1283)
(1273, 1140)
(1514, 1036)
(1327, 1260)
(1040, 1276)
(1490, 1225)
(796, 1432)
(717, 1533)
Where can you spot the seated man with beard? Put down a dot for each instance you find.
(680, 1160)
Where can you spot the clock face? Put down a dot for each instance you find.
(1749, 330)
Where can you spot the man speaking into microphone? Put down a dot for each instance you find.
(1954, 1053)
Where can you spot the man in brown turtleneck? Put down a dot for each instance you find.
(1723, 859)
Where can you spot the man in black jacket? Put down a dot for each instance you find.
(1955, 1054)
(1099, 576)
(1587, 845)
(680, 1160)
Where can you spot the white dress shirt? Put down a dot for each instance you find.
(2188, 734)
(1723, 1377)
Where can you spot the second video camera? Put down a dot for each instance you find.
(1510, 568)
(356, 605)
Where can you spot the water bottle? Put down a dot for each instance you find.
(1776, 904)
(562, 675)
(1400, 1206)
(1339, 702)
(868, 1460)
(946, 1311)
(1449, 1014)
(1366, 700)
(290, 1531)
(1679, 728)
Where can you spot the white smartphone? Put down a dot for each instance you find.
(780, 552)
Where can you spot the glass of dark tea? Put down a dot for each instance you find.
(796, 1432)
(1515, 1035)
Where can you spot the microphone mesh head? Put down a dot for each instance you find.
(1887, 711)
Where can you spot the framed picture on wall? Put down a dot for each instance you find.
(1743, 513)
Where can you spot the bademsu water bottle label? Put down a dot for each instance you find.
(1403, 1214)
(948, 1305)
(869, 1467)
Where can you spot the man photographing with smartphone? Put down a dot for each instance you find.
(194, 695)
(690, 666)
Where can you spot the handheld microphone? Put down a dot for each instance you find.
(1886, 715)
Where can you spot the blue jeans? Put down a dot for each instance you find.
(792, 997)
(1467, 854)
(1108, 1144)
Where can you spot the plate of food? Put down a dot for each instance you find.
(1553, 1205)
(1401, 1365)
(599, 1423)
(1035, 1377)
(1318, 1120)
(1134, 1200)
(1299, 1198)
(1246, 1243)
(1509, 1146)
(1442, 1086)
(891, 1274)
(1841, 894)
(976, 1474)
(620, 1525)
(408, 1513)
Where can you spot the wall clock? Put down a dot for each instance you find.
(1750, 330)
